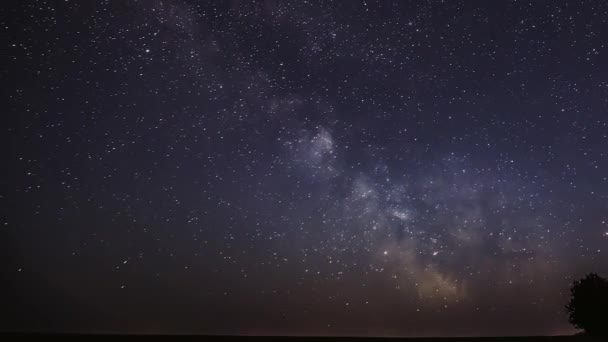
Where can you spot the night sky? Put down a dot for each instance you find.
(300, 167)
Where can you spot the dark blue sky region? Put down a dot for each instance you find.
(386, 168)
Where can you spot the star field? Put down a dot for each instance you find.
(384, 168)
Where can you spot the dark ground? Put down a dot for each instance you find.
(326, 339)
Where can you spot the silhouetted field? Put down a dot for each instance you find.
(326, 339)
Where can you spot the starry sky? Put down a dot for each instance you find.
(385, 168)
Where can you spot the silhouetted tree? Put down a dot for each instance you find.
(588, 306)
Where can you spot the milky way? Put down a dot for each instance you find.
(293, 167)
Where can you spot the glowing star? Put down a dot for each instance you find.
(401, 214)
(435, 253)
(385, 252)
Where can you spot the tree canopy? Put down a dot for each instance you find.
(588, 306)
